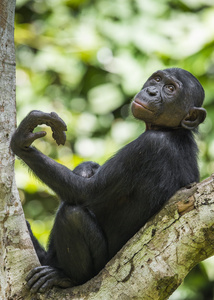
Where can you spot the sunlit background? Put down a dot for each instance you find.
(85, 60)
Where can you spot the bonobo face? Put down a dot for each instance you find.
(170, 98)
(161, 101)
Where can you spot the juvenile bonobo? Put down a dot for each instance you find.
(102, 207)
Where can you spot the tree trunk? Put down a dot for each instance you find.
(16, 252)
(150, 266)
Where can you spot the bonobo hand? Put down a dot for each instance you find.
(24, 135)
(43, 278)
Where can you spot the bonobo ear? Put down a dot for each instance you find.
(195, 116)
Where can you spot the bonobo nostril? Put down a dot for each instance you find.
(152, 91)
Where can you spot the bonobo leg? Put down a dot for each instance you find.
(40, 251)
(80, 244)
(80, 251)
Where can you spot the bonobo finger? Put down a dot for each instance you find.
(59, 137)
(46, 286)
(62, 283)
(35, 271)
(38, 276)
(58, 127)
(29, 138)
(61, 124)
(39, 134)
(36, 286)
(57, 281)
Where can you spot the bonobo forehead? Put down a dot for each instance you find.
(167, 75)
(192, 88)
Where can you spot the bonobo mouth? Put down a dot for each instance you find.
(142, 104)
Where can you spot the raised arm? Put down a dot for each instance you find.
(49, 171)
(59, 178)
(111, 177)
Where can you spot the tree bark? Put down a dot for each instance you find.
(16, 251)
(150, 266)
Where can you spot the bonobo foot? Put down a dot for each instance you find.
(24, 135)
(43, 278)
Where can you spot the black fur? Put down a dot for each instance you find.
(102, 207)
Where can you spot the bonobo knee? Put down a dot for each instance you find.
(72, 214)
(75, 214)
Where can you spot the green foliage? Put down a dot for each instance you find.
(86, 59)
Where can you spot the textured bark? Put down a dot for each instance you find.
(150, 266)
(16, 252)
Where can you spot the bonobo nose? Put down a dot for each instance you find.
(152, 91)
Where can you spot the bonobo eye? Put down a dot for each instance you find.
(157, 78)
(170, 88)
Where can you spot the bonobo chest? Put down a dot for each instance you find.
(155, 166)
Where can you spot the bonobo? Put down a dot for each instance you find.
(102, 207)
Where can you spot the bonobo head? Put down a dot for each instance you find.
(170, 98)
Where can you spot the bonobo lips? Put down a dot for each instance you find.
(141, 103)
